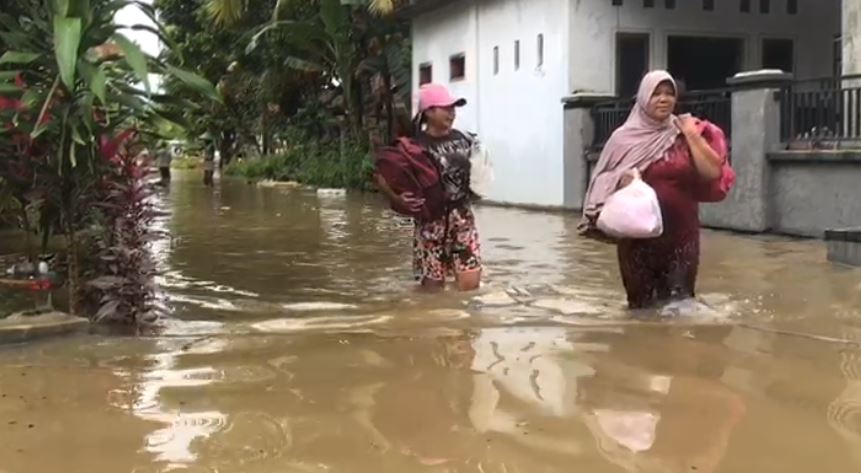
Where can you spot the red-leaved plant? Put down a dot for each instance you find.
(125, 289)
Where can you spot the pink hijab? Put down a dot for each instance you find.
(638, 143)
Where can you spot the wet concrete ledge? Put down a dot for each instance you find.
(819, 156)
(844, 246)
(529, 207)
(19, 328)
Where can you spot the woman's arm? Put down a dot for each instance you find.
(405, 200)
(384, 187)
(706, 160)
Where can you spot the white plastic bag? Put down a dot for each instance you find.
(480, 171)
(632, 212)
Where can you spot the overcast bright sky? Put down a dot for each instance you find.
(149, 42)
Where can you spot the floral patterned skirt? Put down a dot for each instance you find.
(442, 250)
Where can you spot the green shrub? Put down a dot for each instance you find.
(315, 164)
(187, 162)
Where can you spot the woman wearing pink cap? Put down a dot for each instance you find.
(448, 245)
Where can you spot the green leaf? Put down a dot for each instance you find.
(174, 117)
(135, 58)
(60, 7)
(73, 158)
(334, 16)
(98, 84)
(81, 9)
(9, 89)
(8, 76)
(300, 64)
(32, 98)
(17, 57)
(86, 112)
(162, 36)
(195, 82)
(76, 136)
(128, 100)
(67, 39)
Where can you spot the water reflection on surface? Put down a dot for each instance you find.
(297, 344)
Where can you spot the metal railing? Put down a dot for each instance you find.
(821, 113)
(714, 105)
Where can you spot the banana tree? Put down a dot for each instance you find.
(73, 81)
(325, 44)
(230, 12)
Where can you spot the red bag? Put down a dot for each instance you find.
(718, 189)
(407, 168)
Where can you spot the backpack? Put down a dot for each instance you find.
(406, 167)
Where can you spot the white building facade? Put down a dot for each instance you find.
(515, 60)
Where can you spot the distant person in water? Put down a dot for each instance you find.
(448, 245)
(209, 162)
(684, 160)
(163, 159)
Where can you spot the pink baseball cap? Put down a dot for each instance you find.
(435, 95)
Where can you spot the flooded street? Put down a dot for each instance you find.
(297, 343)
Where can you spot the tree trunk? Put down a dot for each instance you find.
(267, 137)
(73, 261)
(388, 97)
(28, 238)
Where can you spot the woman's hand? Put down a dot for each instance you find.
(410, 202)
(687, 124)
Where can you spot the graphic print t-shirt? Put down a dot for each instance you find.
(452, 153)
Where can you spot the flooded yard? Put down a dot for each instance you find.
(297, 343)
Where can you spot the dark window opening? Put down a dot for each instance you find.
(457, 67)
(709, 5)
(792, 7)
(425, 74)
(704, 62)
(670, 4)
(517, 55)
(778, 54)
(617, 3)
(632, 62)
(495, 60)
(765, 6)
(648, 3)
(837, 54)
(744, 6)
(540, 47)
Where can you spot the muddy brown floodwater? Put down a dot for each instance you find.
(296, 343)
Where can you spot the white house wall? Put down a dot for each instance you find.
(517, 113)
(594, 24)
(437, 36)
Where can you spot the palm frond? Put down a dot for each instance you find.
(226, 12)
(382, 7)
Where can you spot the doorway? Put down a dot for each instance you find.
(704, 62)
(632, 62)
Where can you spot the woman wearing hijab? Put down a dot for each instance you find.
(685, 161)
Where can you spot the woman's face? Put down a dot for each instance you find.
(663, 101)
(440, 118)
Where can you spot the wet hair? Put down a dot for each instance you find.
(418, 123)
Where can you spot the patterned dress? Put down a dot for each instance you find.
(448, 245)
(664, 268)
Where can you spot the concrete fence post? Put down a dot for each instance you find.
(579, 129)
(755, 133)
